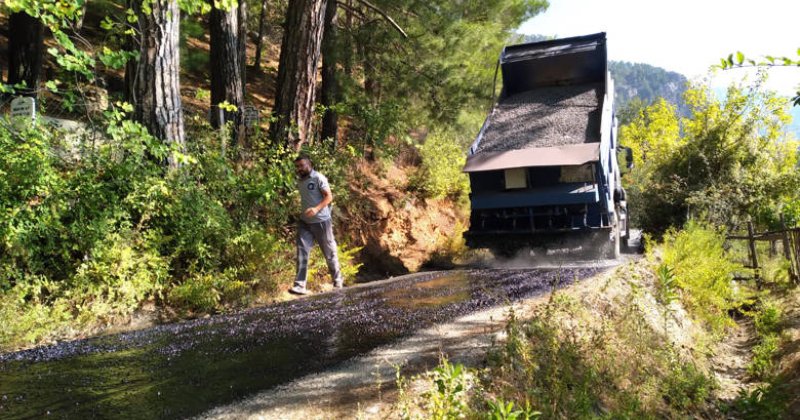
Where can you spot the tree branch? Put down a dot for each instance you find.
(385, 16)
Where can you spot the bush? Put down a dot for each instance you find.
(703, 270)
(686, 386)
(442, 161)
(762, 366)
(86, 237)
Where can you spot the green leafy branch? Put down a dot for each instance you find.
(738, 60)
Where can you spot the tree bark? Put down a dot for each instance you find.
(227, 78)
(131, 65)
(297, 71)
(329, 94)
(262, 26)
(25, 49)
(348, 49)
(156, 88)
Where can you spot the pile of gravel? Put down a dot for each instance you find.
(545, 117)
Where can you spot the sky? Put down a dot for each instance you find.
(686, 36)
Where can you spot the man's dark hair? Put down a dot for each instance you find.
(304, 157)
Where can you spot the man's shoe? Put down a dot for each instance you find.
(297, 290)
(338, 284)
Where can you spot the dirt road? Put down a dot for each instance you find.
(185, 369)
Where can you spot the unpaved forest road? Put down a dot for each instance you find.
(184, 369)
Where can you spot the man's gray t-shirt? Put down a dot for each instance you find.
(311, 188)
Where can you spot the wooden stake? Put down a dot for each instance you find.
(753, 255)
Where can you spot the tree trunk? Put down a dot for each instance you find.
(243, 43)
(348, 48)
(262, 26)
(330, 120)
(131, 65)
(156, 88)
(227, 79)
(25, 48)
(297, 71)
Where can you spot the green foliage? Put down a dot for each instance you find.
(91, 229)
(666, 287)
(194, 60)
(767, 401)
(728, 161)
(445, 65)
(442, 160)
(686, 386)
(765, 61)
(766, 320)
(775, 271)
(501, 410)
(318, 270)
(762, 366)
(703, 269)
(447, 397)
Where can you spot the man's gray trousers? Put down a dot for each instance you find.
(322, 233)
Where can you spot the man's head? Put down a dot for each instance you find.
(303, 166)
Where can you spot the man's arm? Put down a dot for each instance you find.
(327, 198)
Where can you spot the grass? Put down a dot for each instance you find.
(637, 349)
(578, 357)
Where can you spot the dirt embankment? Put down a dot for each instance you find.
(398, 230)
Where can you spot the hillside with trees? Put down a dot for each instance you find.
(646, 83)
(170, 182)
(147, 154)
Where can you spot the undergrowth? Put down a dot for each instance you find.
(94, 227)
(609, 357)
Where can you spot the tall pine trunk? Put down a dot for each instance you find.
(25, 49)
(262, 27)
(156, 86)
(329, 94)
(227, 72)
(297, 71)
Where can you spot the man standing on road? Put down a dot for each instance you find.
(315, 224)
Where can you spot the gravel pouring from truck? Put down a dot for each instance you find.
(543, 169)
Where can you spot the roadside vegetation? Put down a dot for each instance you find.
(645, 347)
(101, 222)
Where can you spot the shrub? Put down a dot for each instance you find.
(703, 270)
(761, 366)
(686, 386)
(442, 161)
(318, 268)
(118, 274)
(199, 292)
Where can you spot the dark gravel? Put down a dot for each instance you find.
(545, 117)
(182, 369)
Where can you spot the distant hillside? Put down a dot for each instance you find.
(637, 80)
(648, 83)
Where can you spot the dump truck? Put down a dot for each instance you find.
(544, 170)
